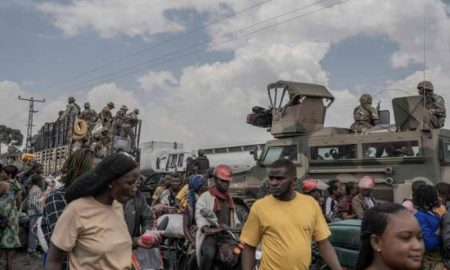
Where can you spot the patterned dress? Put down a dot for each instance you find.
(10, 235)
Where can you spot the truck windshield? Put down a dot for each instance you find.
(334, 152)
(281, 152)
(172, 163)
(391, 149)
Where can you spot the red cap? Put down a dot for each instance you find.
(223, 172)
(366, 182)
(311, 184)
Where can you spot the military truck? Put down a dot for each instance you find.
(396, 155)
(54, 141)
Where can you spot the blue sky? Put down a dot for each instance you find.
(203, 98)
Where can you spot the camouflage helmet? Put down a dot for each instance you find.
(136, 111)
(365, 99)
(125, 108)
(71, 99)
(60, 112)
(201, 152)
(110, 104)
(87, 105)
(425, 85)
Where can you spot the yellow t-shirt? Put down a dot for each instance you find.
(182, 196)
(441, 210)
(157, 193)
(286, 230)
(94, 234)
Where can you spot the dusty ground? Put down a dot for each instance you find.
(23, 262)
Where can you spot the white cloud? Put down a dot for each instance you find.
(157, 81)
(131, 18)
(209, 102)
(100, 95)
(13, 111)
(212, 100)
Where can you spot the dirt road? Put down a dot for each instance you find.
(23, 262)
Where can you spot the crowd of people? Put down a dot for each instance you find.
(94, 217)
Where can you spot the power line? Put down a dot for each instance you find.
(120, 59)
(146, 64)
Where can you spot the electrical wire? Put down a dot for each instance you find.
(157, 45)
(175, 55)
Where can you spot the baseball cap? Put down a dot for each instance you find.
(311, 184)
(366, 182)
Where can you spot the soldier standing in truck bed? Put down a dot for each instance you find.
(130, 121)
(72, 108)
(434, 104)
(118, 120)
(88, 115)
(365, 115)
(106, 117)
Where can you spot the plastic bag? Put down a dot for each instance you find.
(174, 228)
(149, 259)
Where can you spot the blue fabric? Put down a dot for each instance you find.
(195, 183)
(32, 234)
(429, 224)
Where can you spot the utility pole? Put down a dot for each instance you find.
(30, 119)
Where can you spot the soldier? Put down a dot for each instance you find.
(365, 115)
(101, 143)
(129, 123)
(72, 108)
(60, 116)
(202, 162)
(434, 104)
(89, 115)
(118, 120)
(105, 116)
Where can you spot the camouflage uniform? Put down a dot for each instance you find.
(119, 120)
(60, 116)
(365, 115)
(106, 117)
(129, 123)
(101, 143)
(202, 163)
(72, 108)
(434, 104)
(89, 115)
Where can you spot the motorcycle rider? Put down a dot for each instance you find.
(218, 200)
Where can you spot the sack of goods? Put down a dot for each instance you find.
(174, 227)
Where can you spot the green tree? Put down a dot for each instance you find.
(10, 136)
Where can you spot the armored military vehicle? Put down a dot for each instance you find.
(396, 155)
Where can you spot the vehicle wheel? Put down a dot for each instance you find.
(242, 212)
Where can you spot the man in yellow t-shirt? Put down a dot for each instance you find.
(285, 223)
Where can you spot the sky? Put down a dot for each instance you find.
(196, 68)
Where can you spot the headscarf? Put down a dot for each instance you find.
(195, 183)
